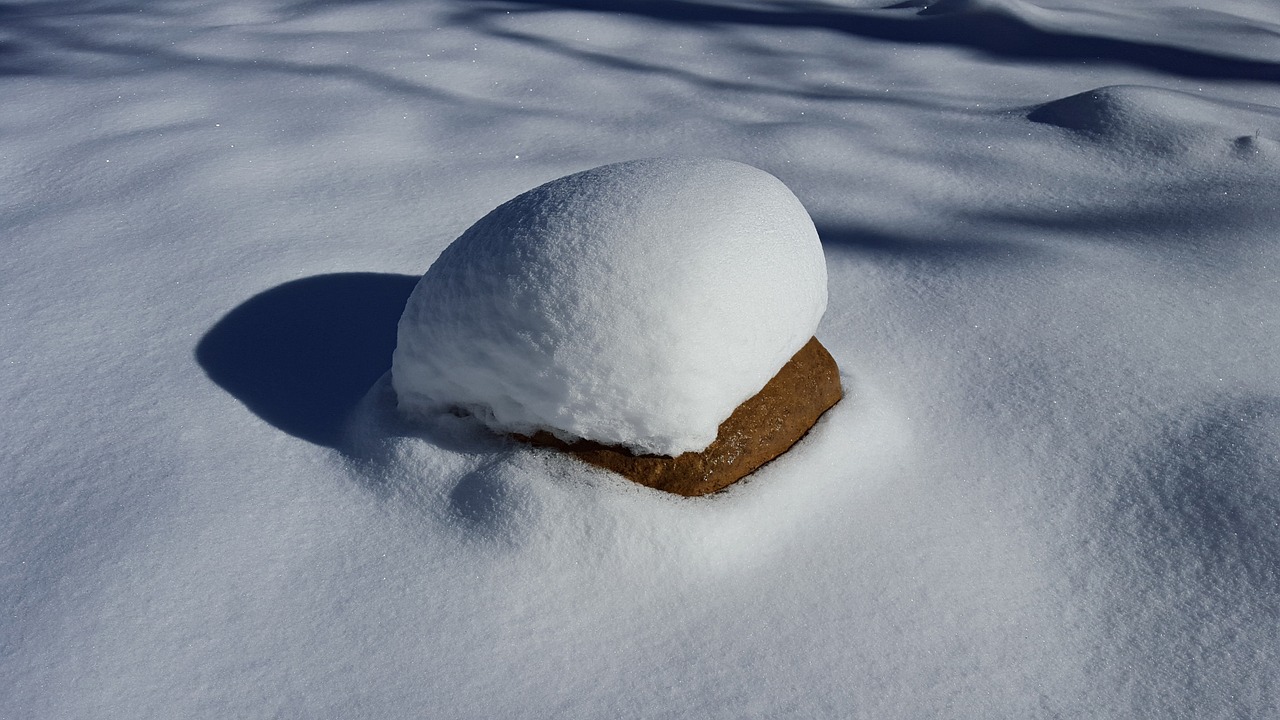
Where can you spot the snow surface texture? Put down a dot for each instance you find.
(634, 304)
(1054, 276)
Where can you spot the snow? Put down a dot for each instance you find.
(634, 304)
(1053, 289)
(1157, 122)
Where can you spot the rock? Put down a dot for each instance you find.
(763, 427)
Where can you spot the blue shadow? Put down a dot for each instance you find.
(303, 354)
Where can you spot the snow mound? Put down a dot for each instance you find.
(634, 304)
(1155, 119)
(451, 475)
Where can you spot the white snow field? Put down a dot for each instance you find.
(633, 304)
(1052, 236)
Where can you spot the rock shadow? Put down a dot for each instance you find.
(302, 355)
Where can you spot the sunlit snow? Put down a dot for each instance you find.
(1050, 234)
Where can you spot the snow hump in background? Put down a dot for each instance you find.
(634, 304)
(1156, 120)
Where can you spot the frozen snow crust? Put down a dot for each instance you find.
(634, 304)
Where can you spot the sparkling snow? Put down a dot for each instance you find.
(1054, 290)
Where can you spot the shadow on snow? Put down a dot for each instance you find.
(996, 33)
(879, 244)
(48, 37)
(301, 355)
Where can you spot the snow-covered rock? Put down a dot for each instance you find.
(635, 304)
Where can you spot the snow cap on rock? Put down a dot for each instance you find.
(634, 304)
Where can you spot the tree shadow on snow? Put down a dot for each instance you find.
(991, 31)
(301, 355)
(51, 37)
(96, 39)
(880, 245)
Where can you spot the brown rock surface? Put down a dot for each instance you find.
(763, 427)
